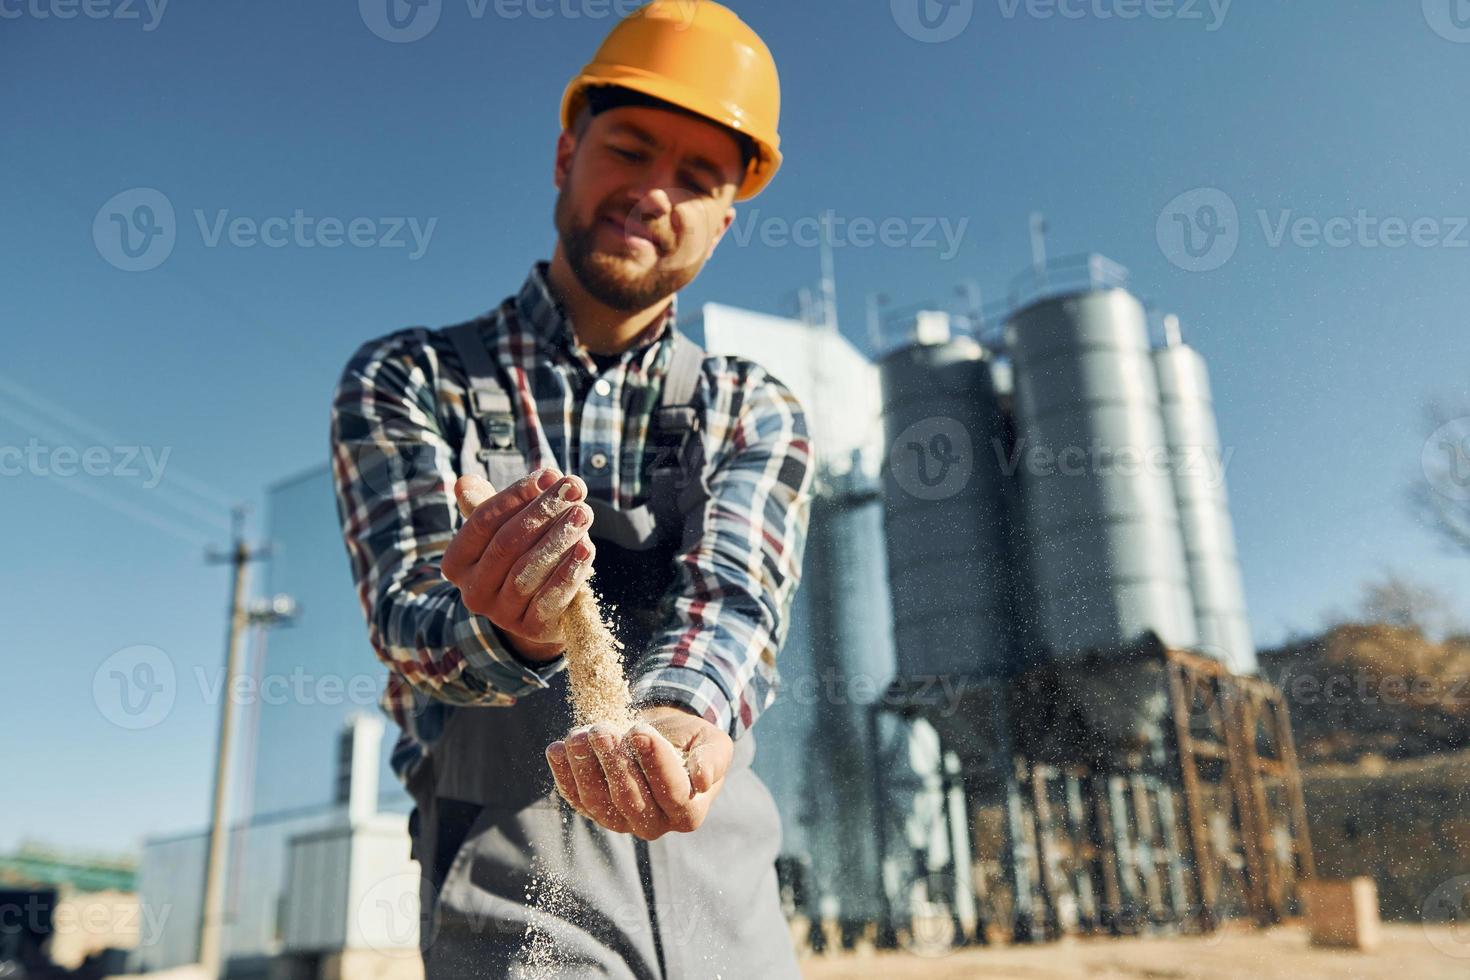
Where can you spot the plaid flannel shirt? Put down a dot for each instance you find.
(398, 418)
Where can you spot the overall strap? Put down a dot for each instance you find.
(676, 473)
(487, 400)
(677, 487)
(678, 490)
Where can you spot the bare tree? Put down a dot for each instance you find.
(1393, 598)
(1397, 600)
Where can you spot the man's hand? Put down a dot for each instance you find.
(644, 784)
(521, 555)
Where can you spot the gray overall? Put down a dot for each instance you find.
(497, 848)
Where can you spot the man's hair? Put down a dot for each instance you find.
(601, 98)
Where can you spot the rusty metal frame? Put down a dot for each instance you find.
(1238, 711)
(1227, 757)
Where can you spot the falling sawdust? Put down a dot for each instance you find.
(600, 692)
(599, 687)
(548, 895)
(600, 695)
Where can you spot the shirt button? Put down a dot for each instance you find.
(599, 461)
(602, 387)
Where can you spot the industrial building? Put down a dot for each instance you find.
(1060, 539)
(321, 833)
(1018, 691)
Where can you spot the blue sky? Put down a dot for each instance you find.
(223, 355)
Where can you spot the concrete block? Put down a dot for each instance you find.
(1342, 913)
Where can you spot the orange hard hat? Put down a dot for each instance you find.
(699, 56)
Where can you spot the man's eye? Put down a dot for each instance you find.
(627, 154)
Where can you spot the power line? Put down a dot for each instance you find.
(161, 495)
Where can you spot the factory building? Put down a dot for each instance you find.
(1059, 533)
(831, 761)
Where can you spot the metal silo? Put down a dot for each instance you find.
(813, 744)
(1198, 469)
(1105, 544)
(851, 664)
(943, 493)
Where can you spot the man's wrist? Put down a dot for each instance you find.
(528, 650)
(664, 708)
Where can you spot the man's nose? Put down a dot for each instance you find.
(653, 189)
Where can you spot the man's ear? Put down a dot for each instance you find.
(566, 147)
(714, 240)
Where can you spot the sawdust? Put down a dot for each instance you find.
(548, 893)
(600, 692)
(600, 695)
(599, 688)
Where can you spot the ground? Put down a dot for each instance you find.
(1407, 952)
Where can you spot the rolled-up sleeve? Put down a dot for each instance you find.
(393, 472)
(730, 605)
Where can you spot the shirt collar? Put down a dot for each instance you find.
(540, 311)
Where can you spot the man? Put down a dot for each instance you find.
(579, 431)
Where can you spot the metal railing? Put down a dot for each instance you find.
(1068, 274)
(986, 324)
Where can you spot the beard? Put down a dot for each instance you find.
(612, 278)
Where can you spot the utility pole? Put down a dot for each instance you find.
(829, 276)
(975, 301)
(211, 919)
(876, 302)
(1038, 245)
